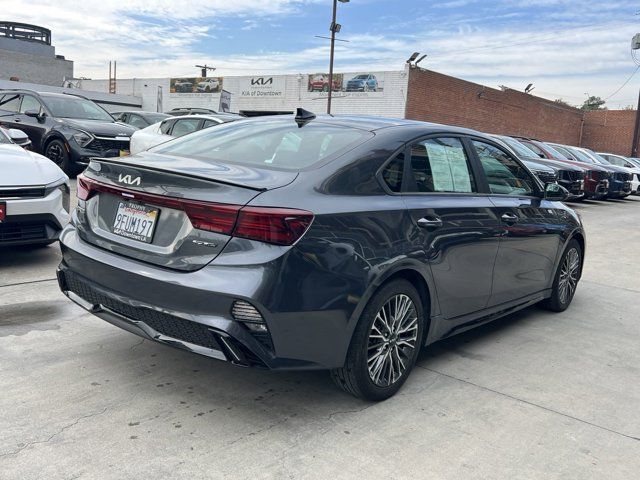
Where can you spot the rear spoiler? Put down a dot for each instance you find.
(117, 161)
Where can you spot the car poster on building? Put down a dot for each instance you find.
(319, 82)
(360, 84)
(266, 86)
(195, 85)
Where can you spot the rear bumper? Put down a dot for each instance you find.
(192, 311)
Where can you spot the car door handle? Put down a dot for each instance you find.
(509, 218)
(17, 120)
(430, 222)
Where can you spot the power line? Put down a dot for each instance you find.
(625, 82)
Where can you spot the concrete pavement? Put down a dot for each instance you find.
(535, 395)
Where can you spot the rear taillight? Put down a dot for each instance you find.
(84, 187)
(212, 217)
(280, 226)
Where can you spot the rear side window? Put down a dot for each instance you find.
(137, 121)
(166, 126)
(276, 143)
(441, 165)
(185, 126)
(393, 172)
(10, 103)
(504, 175)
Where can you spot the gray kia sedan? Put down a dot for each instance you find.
(338, 243)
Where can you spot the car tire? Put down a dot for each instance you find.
(374, 354)
(56, 151)
(566, 279)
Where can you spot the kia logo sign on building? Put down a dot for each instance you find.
(262, 81)
(262, 86)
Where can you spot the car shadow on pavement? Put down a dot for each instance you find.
(197, 385)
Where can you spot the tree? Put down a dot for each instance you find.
(593, 103)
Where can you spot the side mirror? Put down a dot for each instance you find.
(19, 137)
(555, 192)
(35, 114)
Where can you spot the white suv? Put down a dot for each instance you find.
(34, 196)
(208, 85)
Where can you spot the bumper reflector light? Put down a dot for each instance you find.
(245, 312)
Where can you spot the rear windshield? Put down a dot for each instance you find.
(276, 144)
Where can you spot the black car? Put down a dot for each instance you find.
(68, 129)
(340, 243)
(139, 119)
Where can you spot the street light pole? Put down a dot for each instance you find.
(334, 28)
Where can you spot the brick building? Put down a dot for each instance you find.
(609, 130)
(413, 93)
(439, 98)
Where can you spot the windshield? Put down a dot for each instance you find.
(582, 156)
(520, 149)
(361, 77)
(556, 153)
(74, 107)
(276, 143)
(597, 158)
(635, 161)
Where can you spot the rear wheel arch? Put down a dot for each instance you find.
(415, 278)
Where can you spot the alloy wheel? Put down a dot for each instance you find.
(569, 275)
(392, 340)
(55, 153)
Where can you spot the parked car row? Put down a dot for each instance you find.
(583, 172)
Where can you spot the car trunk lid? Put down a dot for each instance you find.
(179, 216)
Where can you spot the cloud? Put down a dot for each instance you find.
(565, 47)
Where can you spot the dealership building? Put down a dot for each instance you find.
(380, 93)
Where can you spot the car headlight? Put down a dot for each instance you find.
(83, 138)
(63, 186)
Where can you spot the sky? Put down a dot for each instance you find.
(568, 49)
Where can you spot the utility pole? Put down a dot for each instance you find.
(335, 28)
(635, 46)
(112, 80)
(204, 68)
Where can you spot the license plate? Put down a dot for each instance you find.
(135, 221)
(124, 153)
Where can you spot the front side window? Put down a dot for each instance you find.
(30, 103)
(504, 175)
(441, 165)
(269, 143)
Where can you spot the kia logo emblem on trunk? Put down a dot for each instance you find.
(128, 179)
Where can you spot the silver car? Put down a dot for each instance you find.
(34, 196)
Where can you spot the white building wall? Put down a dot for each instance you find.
(287, 93)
